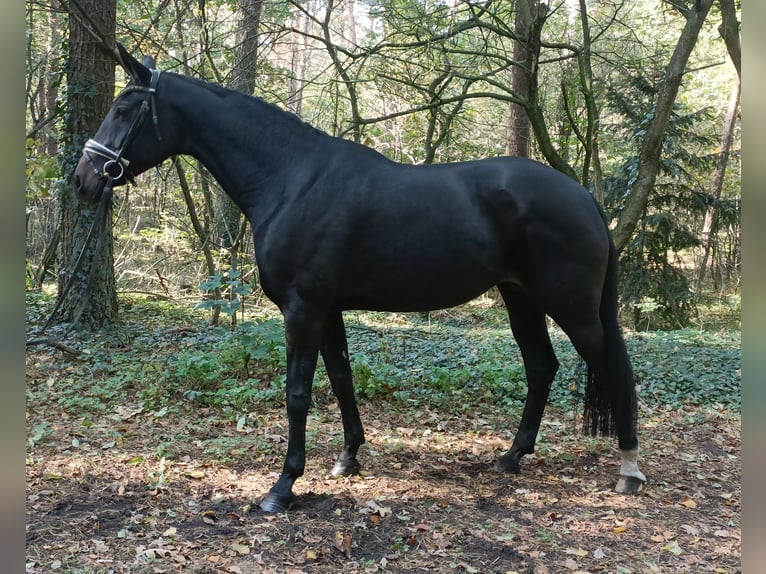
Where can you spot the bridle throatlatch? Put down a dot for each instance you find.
(116, 165)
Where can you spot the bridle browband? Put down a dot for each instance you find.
(116, 164)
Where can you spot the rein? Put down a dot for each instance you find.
(113, 169)
(98, 225)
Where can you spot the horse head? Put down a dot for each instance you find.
(132, 137)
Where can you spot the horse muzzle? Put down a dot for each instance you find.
(90, 179)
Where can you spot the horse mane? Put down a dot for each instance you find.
(291, 119)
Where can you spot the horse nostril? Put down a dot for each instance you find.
(77, 182)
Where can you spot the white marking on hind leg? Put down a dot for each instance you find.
(629, 466)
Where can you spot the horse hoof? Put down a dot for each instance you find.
(508, 463)
(346, 468)
(276, 503)
(629, 485)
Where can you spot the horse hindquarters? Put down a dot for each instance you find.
(569, 272)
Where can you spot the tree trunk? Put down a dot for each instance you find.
(592, 161)
(351, 24)
(532, 106)
(299, 54)
(720, 170)
(353, 98)
(729, 31)
(246, 48)
(519, 131)
(209, 262)
(651, 148)
(90, 91)
(243, 80)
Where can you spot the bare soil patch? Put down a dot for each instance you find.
(151, 492)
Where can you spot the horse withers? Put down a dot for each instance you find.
(338, 226)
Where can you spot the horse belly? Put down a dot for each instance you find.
(422, 284)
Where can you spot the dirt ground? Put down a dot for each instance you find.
(151, 492)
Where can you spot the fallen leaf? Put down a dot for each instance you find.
(179, 558)
(576, 551)
(342, 542)
(688, 502)
(673, 548)
(240, 548)
(571, 564)
(209, 517)
(375, 508)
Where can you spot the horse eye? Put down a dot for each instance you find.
(120, 111)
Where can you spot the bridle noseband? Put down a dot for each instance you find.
(115, 166)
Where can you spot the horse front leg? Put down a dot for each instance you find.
(302, 334)
(334, 351)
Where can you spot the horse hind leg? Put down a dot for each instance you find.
(529, 328)
(610, 397)
(334, 350)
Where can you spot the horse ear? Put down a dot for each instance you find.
(139, 73)
(149, 62)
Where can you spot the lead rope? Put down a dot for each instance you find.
(97, 228)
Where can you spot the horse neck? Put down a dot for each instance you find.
(245, 143)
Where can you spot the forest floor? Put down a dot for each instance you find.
(151, 490)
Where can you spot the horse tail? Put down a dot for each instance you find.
(605, 400)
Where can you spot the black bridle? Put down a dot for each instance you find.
(117, 164)
(112, 169)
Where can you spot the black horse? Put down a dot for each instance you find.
(338, 226)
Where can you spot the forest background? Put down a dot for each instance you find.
(581, 88)
(639, 101)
